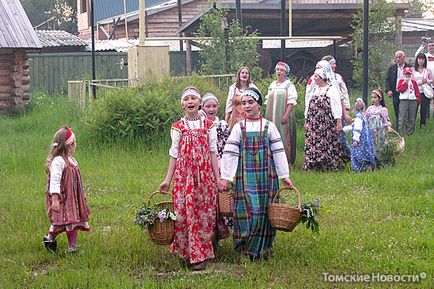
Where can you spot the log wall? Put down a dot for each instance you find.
(14, 81)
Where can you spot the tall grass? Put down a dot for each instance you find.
(378, 222)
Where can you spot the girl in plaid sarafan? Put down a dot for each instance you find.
(255, 156)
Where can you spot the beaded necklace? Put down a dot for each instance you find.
(192, 132)
(255, 149)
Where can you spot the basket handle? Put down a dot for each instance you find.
(395, 132)
(293, 188)
(154, 193)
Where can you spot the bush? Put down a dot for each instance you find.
(145, 112)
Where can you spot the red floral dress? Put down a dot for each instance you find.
(194, 194)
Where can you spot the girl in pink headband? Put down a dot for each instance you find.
(377, 117)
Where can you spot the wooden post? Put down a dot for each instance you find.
(188, 58)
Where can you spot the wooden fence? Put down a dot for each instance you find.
(81, 92)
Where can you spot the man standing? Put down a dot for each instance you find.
(394, 74)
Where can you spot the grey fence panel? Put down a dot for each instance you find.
(50, 72)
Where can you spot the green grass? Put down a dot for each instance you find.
(378, 222)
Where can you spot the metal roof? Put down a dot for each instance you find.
(15, 28)
(297, 43)
(122, 45)
(58, 38)
(109, 8)
(417, 24)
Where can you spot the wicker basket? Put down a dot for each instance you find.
(398, 140)
(226, 203)
(284, 217)
(161, 233)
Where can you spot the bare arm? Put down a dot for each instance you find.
(215, 167)
(227, 116)
(165, 185)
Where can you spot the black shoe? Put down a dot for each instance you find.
(50, 243)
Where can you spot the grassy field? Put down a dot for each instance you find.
(372, 223)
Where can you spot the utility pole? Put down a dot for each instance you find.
(365, 50)
(92, 29)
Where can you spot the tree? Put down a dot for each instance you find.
(229, 47)
(382, 27)
(418, 8)
(52, 14)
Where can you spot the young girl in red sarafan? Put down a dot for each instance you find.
(194, 169)
(65, 200)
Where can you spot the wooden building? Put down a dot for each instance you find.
(16, 36)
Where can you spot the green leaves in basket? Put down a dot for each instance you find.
(308, 215)
(146, 216)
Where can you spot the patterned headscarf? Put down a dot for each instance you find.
(324, 70)
(283, 65)
(254, 93)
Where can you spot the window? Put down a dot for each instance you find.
(83, 6)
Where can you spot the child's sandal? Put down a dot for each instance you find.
(50, 243)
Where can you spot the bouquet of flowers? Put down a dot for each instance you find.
(308, 213)
(146, 216)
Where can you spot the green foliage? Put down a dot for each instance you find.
(418, 8)
(309, 211)
(58, 14)
(146, 216)
(382, 27)
(229, 47)
(145, 112)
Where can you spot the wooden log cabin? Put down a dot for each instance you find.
(16, 36)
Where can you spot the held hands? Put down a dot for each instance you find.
(284, 120)
(223, 185)
(348, 118)
(355, 143)
(389, 93)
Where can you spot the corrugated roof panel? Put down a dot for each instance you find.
(417, 24)
(15, 28)
(122, 45)
(58, 38)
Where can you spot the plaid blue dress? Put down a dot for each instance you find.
(256, 182)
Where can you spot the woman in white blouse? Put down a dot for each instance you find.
(255, 159)
(323, 123)
(423, 75)
(234, 112)
(280, 101)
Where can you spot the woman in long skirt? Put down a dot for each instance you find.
(280, 102)
(323, 149)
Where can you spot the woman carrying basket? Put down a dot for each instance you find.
(255, 156)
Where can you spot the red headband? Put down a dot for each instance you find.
(70, 137)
